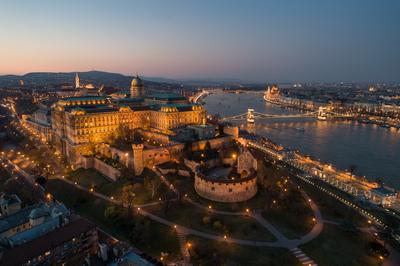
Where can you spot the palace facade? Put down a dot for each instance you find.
(78, 122)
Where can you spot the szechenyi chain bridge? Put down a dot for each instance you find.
(322, 113)
(251, 115)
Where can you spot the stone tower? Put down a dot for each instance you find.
(77, 81)
(246, 162)
(137, 87)
(138, 163)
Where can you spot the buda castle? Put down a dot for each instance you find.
(76, 123)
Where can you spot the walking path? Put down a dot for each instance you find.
(303, 258)
(184, 245)
(281, 241)
(182, 231)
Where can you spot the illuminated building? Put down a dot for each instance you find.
(70, 244)
(137, 87)
(78, 122)
(272, 94)
(77, 81)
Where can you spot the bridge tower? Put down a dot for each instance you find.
(250, 115)
(321, 113)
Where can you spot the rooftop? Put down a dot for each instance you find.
(132, 258)
(178, 106)
(89, 97)
(9, 199)
(16, 219)
(166, 96)
(23, 215)
(21, 254)
(383, 191)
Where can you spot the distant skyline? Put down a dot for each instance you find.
(256, 41)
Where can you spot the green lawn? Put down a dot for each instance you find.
(162, 239)
(335, 247)
(292, 214)
(288, 223)
(207, 252)
(88, 178)
(235, 226)
(333, 210)
(91, 178)
(289, 212)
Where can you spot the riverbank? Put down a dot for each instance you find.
(369, 149)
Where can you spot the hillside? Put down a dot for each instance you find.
(95, 77)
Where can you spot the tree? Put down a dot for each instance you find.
(220, 129)
(127, 196)
(207, 148)
(123, 135)
(152, 183)
(109, 213)
(187, 149)
(217, 225)
(25, 192)
(206, 219)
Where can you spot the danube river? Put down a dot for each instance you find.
(372, 149)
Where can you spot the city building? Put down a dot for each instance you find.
(383, 196)
(71, 244)
(272, 94)
(9, 204)
(25, 224)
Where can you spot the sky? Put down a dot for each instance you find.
(260, 41)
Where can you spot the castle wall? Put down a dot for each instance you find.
(232, 131)
(226, 191)
(155, 156)
(100, 166)
(215, 143)
(192, 165)
(180, 172)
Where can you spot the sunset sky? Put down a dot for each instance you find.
(310, 40)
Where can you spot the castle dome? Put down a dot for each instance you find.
(137, 82)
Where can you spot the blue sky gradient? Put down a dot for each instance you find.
(308, 40)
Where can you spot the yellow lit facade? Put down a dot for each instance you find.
(79, 121)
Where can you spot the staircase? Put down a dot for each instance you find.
(303, 258)
(184, 248)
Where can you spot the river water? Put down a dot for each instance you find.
(372, 149)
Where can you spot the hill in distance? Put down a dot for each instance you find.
(100, 77)
(95, 77)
